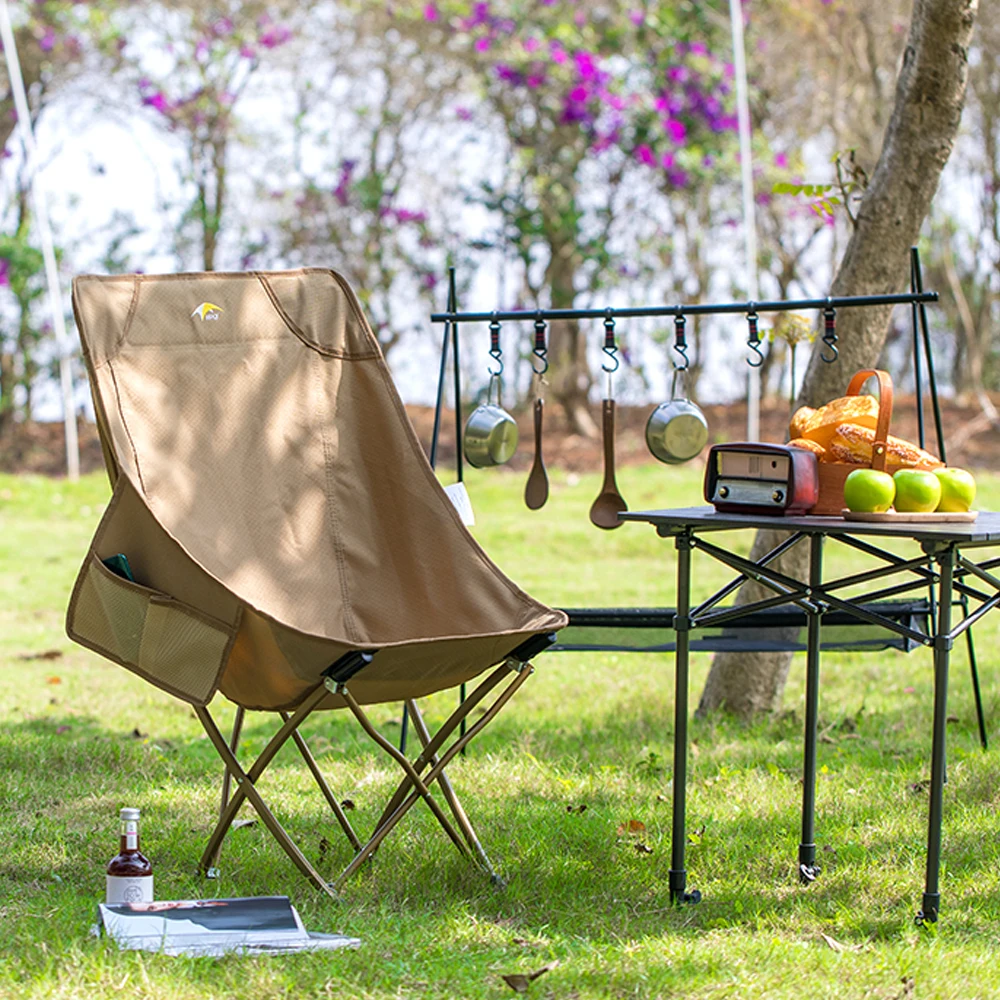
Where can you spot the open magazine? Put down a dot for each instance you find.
(254, 925)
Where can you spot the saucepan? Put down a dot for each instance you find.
(676, 430)
(490, 432)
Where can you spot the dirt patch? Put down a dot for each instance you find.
(40, 447)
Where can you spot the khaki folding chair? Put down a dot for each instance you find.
(277, 535)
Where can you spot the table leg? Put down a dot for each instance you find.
(942, 651)
(682, 624)
(808, 869)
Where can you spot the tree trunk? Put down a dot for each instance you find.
(569, 374)
(930, 93)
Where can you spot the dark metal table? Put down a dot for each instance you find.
(943, 569)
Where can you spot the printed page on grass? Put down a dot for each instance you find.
(253, 925)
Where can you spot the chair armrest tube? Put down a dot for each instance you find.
(349, 664)
(532, 647)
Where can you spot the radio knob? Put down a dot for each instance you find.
(723, 492)
(777, 496)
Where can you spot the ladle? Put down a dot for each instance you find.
(536, 490)
(605, 509)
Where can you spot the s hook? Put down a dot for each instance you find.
(495, 352)
(829, 334)
(610, 348)
(753, 341)
(680, 342)
(540, 351)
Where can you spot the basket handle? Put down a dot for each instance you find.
(884, 410)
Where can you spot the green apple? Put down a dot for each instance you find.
(958, 489)
(869, 490)
(917, 491)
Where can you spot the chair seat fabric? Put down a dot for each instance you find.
(273, 501)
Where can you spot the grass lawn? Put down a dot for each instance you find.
(583, 750)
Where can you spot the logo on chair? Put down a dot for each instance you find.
(207, 310)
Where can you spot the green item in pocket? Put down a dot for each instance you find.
(118, 564)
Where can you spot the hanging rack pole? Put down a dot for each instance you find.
(457, 371)
(918, 378)
(706, 309)
(439, 402)
(931, 378)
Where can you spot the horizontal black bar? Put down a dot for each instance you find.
(774, 618)
(706, 309)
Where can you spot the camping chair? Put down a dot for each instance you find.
(276, 533)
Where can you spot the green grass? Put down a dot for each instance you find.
(80, 737)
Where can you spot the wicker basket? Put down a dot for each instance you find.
(832, 475)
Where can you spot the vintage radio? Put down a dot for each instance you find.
(756, 478)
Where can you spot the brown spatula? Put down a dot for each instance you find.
(536, 490)
(604, 510)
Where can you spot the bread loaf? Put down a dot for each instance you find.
(821, 425)
(817, 449)
(852, 440)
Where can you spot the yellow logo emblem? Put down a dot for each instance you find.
(207, 310)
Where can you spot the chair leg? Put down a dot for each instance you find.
(386, 826)
(461, 818)
(449, 726)
(211, 853)
(234, 742)
(246, 786)
(404, 763)
(345, 823)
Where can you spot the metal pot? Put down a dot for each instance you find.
(490, 433)
(677, 430)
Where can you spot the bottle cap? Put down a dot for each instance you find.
(130, 814)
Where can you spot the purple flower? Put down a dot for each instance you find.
(781, 161)
(675, 129)
(47, 42)
(463, 114)
(585, 65)
(223, 27)
(4, 271)
(483, 44)
(431, 12)
(637, 17)
(158, 102)
(247, 51)
(557, 53)
(698, 49)
(645, 155)
(429, 281)
(530, 44)
(275, 36)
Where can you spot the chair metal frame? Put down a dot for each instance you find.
(419, 774)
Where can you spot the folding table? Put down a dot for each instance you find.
(943, 567)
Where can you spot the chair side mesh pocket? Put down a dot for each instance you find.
(161, 639)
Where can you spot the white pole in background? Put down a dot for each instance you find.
(749, 216)
(63, 344)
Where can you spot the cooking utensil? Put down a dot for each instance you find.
(605, 509)
(536, 490)
(676, 430)
(490, 432)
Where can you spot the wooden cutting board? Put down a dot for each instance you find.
(896, 517)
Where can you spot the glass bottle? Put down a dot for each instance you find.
(130, 872)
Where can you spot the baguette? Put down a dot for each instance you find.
(850, 439)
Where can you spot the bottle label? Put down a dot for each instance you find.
(131, 835)
(121, 889)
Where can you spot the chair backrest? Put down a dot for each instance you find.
(266, 475)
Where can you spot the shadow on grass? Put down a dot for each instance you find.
(571, 871)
